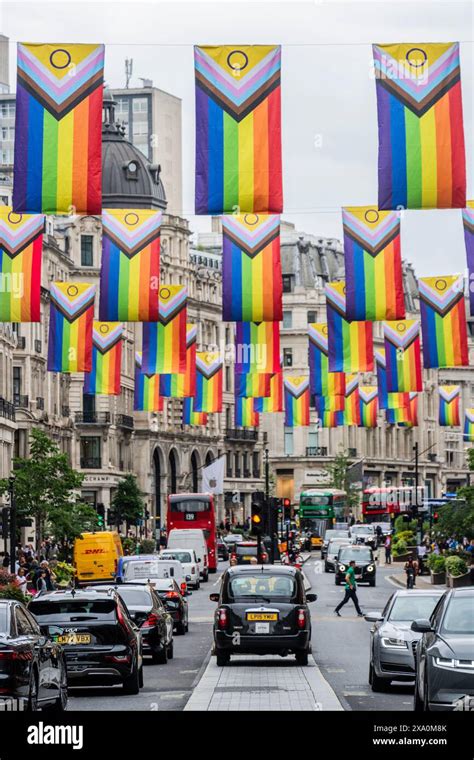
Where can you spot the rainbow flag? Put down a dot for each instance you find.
(58, 129)
(449, 405)
(147, 396)
(252, 386)
(368, 401)
(402, 355)
(413, 410)
(398, 400)
(373, 264)
(469, 425)
(181, 386)
(443, 321)
(238, 129)
(190, 417)
(71, 314)
(273, 402)
(322, 382)
(350, 343)
(331, 419)
(164, 342)
(104, 378)
(329, 404)
(468, 224)
(399, 416)
(21, 243)
(421, 137)
(130, 266)
(208, 382)
(297, 398)
(244, 412)
(352, 402)
(381, 372)
(251, 268)
(257, 347)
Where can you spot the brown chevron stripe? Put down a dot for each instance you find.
(447, 308)
(60, 111)
(110, 345)
(131, 252)
(469, 226)
(239, 112)
(431, 98)
(252, 252)
(12, 253)
(214, 372)
(405, 345)
(166, 320)
(389, 237)
(77, 314)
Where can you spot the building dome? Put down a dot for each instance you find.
(129, 180)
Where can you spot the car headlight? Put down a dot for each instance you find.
(342, 568)
(447, 662)
(370, 568)
(394, 643)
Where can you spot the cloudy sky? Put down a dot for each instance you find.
(328, 91)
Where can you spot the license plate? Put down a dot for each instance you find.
(247, 557)
(74, 638)
(358, 576)
(262, 616)
(262, 627)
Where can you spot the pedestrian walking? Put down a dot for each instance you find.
(388, 550)
(351, 589)
(22, 580)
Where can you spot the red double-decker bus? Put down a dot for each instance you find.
(197, 511)
(379, 503)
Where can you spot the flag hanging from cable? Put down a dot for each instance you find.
(208, 382)
(368, 400)
(443, 321)
(21, 244)
(469, 425)
(257, 347)
(273, 402)
(190, 417)
(352, 402)
(244, 412)
(104, 377)
(468, 224)
(71, 314)
(350, 343)
(181, 386)
(449, 405)
(164, 342)
(322, 382)
(147, 396)
(297, 399)
(402, 355)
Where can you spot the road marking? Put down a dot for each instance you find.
(357, 694)
(335, 670)
(184, 672)
(218, 580)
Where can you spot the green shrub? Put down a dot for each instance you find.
(64, 573)
(407, 536)
(399, 547)
(129, 545)
(437, 563)
(12, 591)
(456, 566)
(147, 546)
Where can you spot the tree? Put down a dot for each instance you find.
(457, 520)
(45, 489)
(127, 503)
(340, 473)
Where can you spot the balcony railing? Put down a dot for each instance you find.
(91, 463)
(241, 434)
(124, 421)
(7, 409)
(22, 402)
(93, 418)
(316, 451)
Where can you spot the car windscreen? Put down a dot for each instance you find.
(73, 609)
(136, 597)
(334, 546)
(362, 529)
(247, 587)
(148, 569)
(459, 617)
(163, 585)
(347, 555)
(412, 607)
(4, 626)
(242, 551)
(190, 505)
(180, 556)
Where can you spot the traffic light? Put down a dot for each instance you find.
(5, 522)
(406, 518)
(100, 515)
(435, 517)
(287, 509)
(256, 519)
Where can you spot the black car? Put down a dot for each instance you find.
(246, 552)
(364, 564)
(150, 615)
(263, 609)
(175, 603)
(101, 642)
(445, 654)
(222, 550)
(32, 667)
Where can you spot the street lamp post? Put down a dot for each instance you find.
(419, 517)
(268, 508)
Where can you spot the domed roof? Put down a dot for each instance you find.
(129, 180)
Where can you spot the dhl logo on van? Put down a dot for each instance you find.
(94, 551)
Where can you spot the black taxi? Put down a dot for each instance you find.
(262, 609)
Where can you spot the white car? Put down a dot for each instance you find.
(188, 559)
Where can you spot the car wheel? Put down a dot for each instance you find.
(417, 701)
(170, 651)
(222, 659)
(377, 684)
(140, 677)
(205, 577)
(302, 657)
(180, 629)
(32, 704)
(198, 585)
(161, 656)
(326, 568)
(187, 626)
(60, 704)
(131, 684)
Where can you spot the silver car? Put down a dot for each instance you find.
(329, 536)
(393, 643)
(332, 553)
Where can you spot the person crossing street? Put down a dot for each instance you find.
(351, 589)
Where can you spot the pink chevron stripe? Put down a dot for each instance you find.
(67, 84)
(238, 84)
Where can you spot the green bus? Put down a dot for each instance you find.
(319, 509)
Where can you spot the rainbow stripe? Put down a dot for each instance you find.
(182, 386)
(352, 403)
(257, 347)
(368, 402)
(469, 425)
(238, 129)
(449, 405)
(104, 378)
(130, 266)
(381, 372)
(468, 224)
(402, 355)
(164, 342)
(252, 386)
(322, 382)
(71, 314)
(373, 264)
(297, 397)
(244, 412)
(251, 268)
(329, 404)
(58, 129)
(21, 243)
(146, 396)
(190, 417)
(331, 419)
(273, 402)
(208, 382)
(443, 321)
(350, 343)
(421, 137)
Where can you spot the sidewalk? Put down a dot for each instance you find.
(263, 683)
(422, 581)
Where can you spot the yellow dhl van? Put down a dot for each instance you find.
(96, 556)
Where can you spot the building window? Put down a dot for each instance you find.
(287, 357)
(90, 453)
(227, 379)
(287, 320)
(256, 464)
(288, 283)
(87, 251)
(140, 105)
(237, 472)
(228, 457)
(312, 317)
(289, 442)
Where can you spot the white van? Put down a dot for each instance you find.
(140, 571)
(188, 559)
(189, 538)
